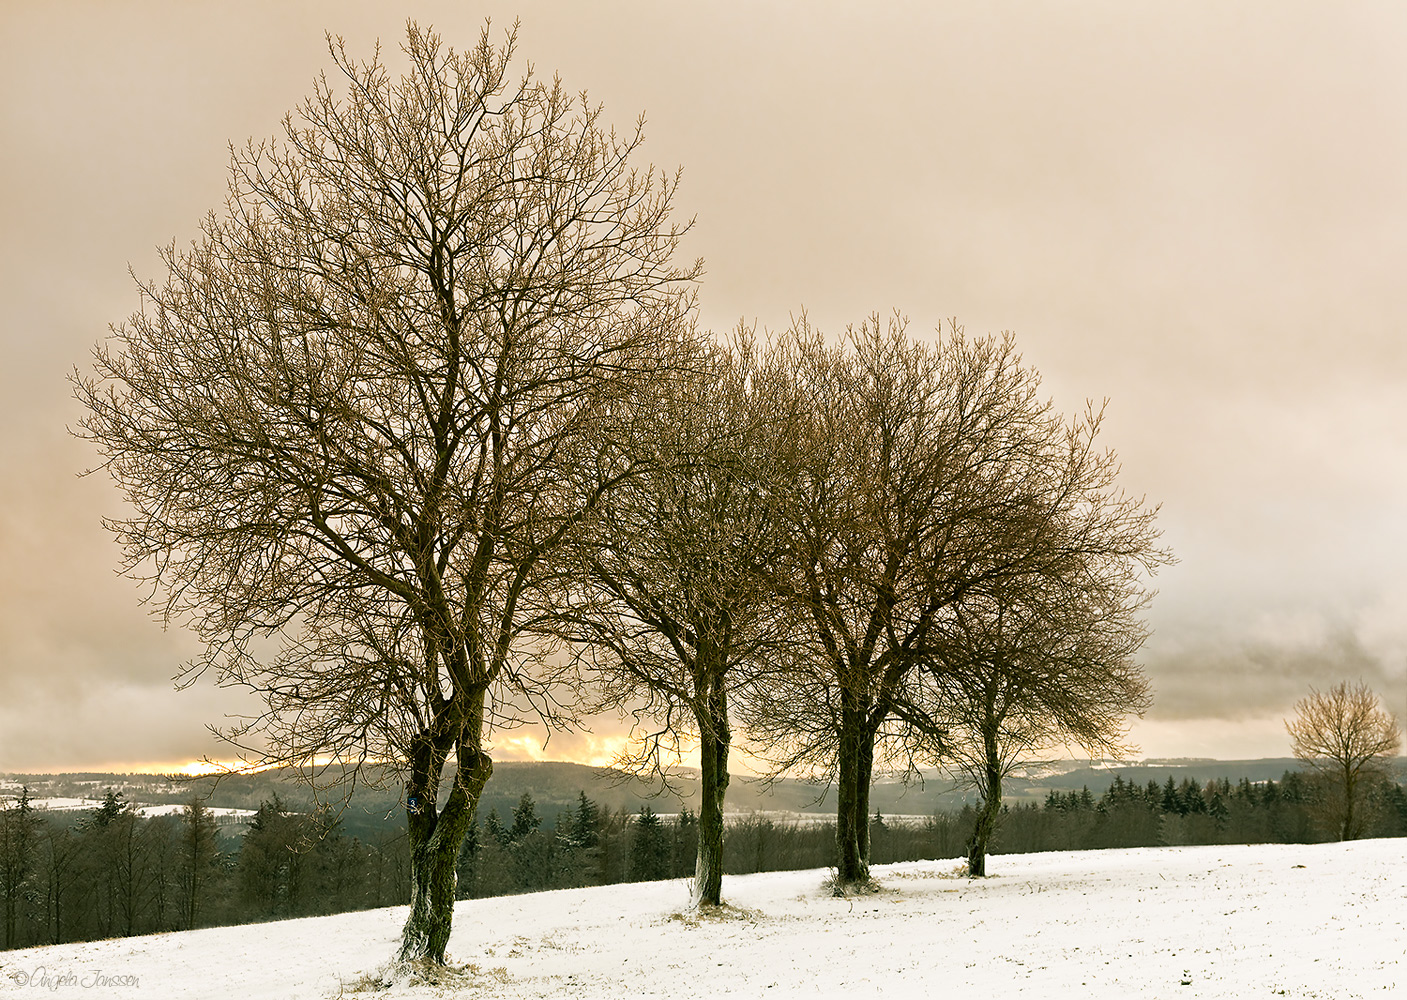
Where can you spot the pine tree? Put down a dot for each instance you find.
(686, 843)
(468, 868)
(1217, 807)
(525, 819)
(264, 861)
(112, 807)
(1171, 801)
(494, 827)
(649, 848)
(586, 825)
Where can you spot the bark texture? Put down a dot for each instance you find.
(435, 840)
(713, 758)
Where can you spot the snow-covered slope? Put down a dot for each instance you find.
(1261, 921)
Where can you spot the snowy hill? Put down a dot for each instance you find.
(1321, 920)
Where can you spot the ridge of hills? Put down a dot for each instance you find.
(556, 785)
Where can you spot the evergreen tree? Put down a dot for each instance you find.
(686, 844)
(525, 819)
(1190, 792)
(110, 810)
(1171, 801)
(534, 851)
(1217, 806)
(649, 848)
(586, 824)
(272, 869)
(468, 868)
(494, 827)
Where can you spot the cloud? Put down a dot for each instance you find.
(1264, 670)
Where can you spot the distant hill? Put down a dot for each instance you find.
(555, 785)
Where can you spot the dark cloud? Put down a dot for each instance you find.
(1235, 678)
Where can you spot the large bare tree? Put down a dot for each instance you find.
(677, 612)
(1345, 734)
(359, 415)
(928, 472)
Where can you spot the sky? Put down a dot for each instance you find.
(1196, 211)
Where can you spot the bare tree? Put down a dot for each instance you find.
(677, 611)
(1345, 734)
(19, 840)
(198, 854)
(1018, 671)
(355, 417)
(927, 473)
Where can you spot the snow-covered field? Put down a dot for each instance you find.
(1262, 921)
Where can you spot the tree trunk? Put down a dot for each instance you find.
(862, 793)
(851, 801)
(715, 737)
(435, 841)
(988, 814)
(1349, 794)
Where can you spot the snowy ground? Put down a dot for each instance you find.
(147, 811)
(1263, 921)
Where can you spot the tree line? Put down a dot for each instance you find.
(113, 873)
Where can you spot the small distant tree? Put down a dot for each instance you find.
(526, 821)
(62, 870)
(531, 850)
(1346, 735)
(468, 868)
(649, 848)
(494, 827)
(586, 822)
(198, 852)
(270, 871)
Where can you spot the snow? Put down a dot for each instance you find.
(177, 808)
(64, 804)
(60, 804)
(1247, 921)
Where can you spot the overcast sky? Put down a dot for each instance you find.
(1196, 210)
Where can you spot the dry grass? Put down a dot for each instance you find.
(455, 978)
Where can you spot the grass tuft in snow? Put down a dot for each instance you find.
(457, 978)
(848, 890)
(695, 916)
